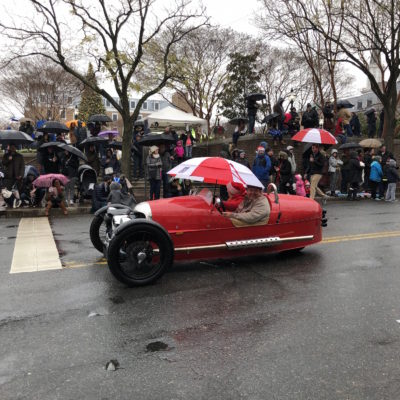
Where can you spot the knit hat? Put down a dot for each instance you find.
(260, 148)
(115, 186)
(153, 149)
(235, 188)
(333, 151)
(289, 148)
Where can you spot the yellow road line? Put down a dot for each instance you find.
(361, 236)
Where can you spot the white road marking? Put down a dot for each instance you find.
(35, 248)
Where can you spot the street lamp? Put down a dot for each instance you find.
(321, 123)
(292, 98)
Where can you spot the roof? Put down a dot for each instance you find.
(173, 116)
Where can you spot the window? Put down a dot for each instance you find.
(133, 104)
(144, 106)
(359, 105)
(107, 103)
(156, 106)
(114, 117)
(62, 114)
(369, 103)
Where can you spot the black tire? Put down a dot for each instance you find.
(140, 238)
(97, 231)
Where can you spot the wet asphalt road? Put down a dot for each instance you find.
(319, 325)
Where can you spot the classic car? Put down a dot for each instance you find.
(140, 244)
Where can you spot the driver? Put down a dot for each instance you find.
(254, 207)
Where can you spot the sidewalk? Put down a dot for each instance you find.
(39, 212)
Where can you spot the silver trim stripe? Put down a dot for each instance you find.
(243, 244)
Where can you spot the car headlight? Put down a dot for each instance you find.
(144, 209)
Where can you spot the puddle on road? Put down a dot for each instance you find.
(157, 346)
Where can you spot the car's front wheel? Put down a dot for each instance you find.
(98, 232)
(139, 254)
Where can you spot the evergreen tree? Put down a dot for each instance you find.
(91, 102)
(242, 80)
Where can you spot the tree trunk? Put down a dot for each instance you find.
(126, 163)
(389, 127)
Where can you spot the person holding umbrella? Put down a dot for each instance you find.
(153, 170)
(55, 197)
(317, 162)
(14, 168)
(69, 168)
(51, 162)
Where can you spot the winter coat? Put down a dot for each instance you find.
(50, 166)
(376, 173)
(14, 167)
(285, 169)
(317, 166)
(334, 164)
(224, 153)
(278, 108)
(355, 125)
(244, 161)
(392, 174)
(153, 167)
(345, 115)
(371, 122)
(261, 167)
(300, 189)
(385, 156)
(355, 171)
(166, 161)
(292, 161)
(252, 211)
(70, 165)
(113, 163)
(93, 160)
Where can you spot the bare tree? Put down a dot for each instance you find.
(280, 22)
(37, 90)
(368, 27)
(201, 71)
(127, 40)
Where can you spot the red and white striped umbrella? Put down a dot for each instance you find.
(314, 135)
(215, 170)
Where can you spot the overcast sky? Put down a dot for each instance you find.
(236, 14)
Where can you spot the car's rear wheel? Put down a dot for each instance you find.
(140, 254)
(98, 232)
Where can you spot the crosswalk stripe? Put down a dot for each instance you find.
(35, 248)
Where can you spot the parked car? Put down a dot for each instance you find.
(141, 244)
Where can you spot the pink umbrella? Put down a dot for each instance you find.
(108, 133)
(46, 181)
(314, 135)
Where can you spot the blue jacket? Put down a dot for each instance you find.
(261, 167)
(376, 172)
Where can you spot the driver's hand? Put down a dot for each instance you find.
(227, 214)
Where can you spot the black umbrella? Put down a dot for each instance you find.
(73, 150)
(344, 104)
(349, 146)
(14, 137)
(370, 111)
(256, 96)
(270, 117)
(155, 140)
(100, 118)
(115, 145)
(238, 120)
(94, 140)
(139, 122)
(44, 146)
(53, 127)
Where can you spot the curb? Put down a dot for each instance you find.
(39, 212)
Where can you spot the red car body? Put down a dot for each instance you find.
(199, 231)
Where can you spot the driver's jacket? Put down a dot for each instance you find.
(252, 211)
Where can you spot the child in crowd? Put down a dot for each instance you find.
(307, 186)
(179, 151)
(392, 179)
(300, 187)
